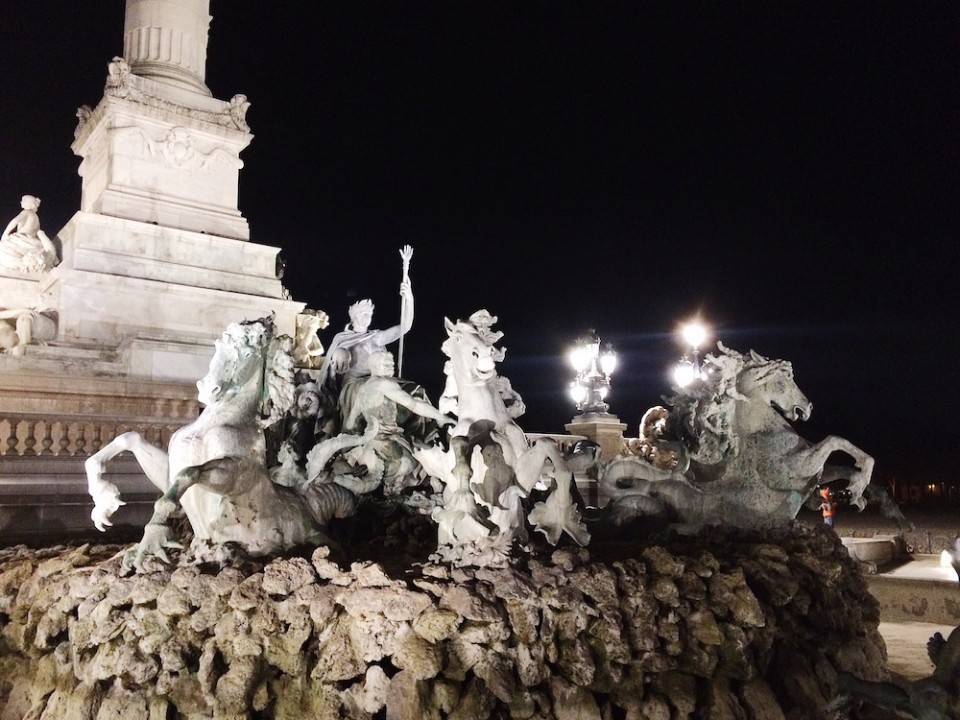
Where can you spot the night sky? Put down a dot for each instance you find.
(789, 170)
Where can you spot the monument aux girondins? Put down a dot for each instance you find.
(113, 328)
(327, 542)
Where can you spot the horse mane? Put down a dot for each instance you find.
(275, 355)
(479, 325)
(279, 385)
(704, 411)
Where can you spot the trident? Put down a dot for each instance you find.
(406, 252)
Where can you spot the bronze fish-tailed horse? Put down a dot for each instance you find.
(216, 467)
(742, 463)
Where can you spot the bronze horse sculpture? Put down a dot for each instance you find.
(216, 467)
(742, 462)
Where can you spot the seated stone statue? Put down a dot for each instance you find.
(347, 361)
(22, 326)
(373, 441)
(24, 246)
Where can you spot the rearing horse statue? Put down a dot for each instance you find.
(493, 465)
(216, 467)
(745, 465)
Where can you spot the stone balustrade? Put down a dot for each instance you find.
(26, 436)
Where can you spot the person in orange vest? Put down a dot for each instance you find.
(827, 505)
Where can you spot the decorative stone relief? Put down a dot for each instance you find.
(177, 147)
(122, 83)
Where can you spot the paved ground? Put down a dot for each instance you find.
(935, 529)
(907, 647)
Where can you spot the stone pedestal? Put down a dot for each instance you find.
(154, 265)
(123, 279)
(602, 428)
(159, 250)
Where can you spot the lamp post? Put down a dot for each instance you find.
(688, 370)
(594, 366)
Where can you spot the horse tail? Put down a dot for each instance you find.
(630, 476)
(326, 501)
(638, 489)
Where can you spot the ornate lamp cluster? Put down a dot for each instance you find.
(593, 366)
(689, 369)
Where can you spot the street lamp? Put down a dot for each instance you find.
(593, 366)
(689, 368)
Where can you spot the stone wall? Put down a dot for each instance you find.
(719, 626)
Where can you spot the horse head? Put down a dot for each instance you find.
(772, 382)
(473, 358)
(249, 364)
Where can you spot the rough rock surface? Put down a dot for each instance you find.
(724, 625)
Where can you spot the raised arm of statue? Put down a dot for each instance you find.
(406, 305)
(406, 315)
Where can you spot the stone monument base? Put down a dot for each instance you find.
(728, 625)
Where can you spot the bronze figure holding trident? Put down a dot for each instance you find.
(348, 356)
(348, 361)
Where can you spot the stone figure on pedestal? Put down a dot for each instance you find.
(23, 245)
(307, 349)
(20, 327)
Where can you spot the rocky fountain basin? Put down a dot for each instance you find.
(727, 624)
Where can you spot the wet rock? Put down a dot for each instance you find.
(395, 603)
(665, 591)
(571, 702)
(171, 601)
(722, 704)
(681, 691)
(532, 669)
(249, 594)
(419, 658)
(325, 569)
(759, 702)
(336, 657)
(283, 577)
(436, 624)
(370, 694)
(459, 599)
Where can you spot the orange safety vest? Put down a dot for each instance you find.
(828, 507)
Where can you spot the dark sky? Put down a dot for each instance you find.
(787, 169)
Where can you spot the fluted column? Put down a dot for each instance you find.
(166, 40)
